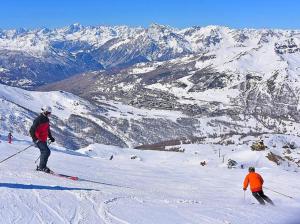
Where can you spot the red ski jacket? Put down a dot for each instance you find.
(40, 129)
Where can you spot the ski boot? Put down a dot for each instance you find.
(45, 169)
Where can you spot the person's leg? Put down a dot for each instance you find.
(265, 197)
(45, 153)
(258, 198)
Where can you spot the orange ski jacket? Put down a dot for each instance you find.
(255, 180)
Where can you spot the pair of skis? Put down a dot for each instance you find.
(64, 176)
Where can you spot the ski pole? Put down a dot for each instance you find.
(37, 159)
(244, 195)
(16, 154)
(279, 193)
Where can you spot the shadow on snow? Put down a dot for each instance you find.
(43, 187)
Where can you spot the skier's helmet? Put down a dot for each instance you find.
(251, 169)
(46, 109)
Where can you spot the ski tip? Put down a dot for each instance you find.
(74, 178)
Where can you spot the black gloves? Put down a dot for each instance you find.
(52, 139)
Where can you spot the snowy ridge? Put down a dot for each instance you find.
(63, 103)
(192, 39)
(67, 51)
(82, 122)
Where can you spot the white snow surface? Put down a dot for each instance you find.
(62, 103)
(127, 111)
(157, 187)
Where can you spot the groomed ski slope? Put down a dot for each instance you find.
(157, 187)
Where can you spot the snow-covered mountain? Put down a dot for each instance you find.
(29, 58)
(218, 93)
(77, 122)
(201, 81)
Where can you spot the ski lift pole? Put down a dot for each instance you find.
(279, 193)
(16, 153)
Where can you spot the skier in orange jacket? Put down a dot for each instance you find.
(256, 181)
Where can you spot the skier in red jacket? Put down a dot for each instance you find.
(9, 136)
(40, 131)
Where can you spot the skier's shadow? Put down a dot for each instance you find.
(43, 187)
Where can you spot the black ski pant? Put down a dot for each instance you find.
(261, 197)
(45, 153)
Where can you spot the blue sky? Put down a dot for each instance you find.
(178, 13)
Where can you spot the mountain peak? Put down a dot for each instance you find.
(75, 27)
(157, 26)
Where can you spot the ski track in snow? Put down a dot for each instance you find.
(107, 216)
(50, 209)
